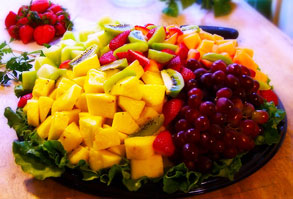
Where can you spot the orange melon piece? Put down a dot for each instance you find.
(205, 35)
(192, 40)
(217, 37)
(243, 58)
(228, 47)
(226, 40)
(246, 50)
(172, 39)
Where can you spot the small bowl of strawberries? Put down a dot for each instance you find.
(40, 21)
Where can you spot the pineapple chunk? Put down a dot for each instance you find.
(99, 159)
(63, 85)
(151, 167)
(58, 125)
(32, 108)
(81, 103)
(153, 94)
(80, 80)
(94, 82)
(192, 40)
(83, 67)
(71, 138)
(128, 87)
(73, 115)
(53, 94)
(123, 122)
(45, 104)
(147, 114)
(137, 68)
(150, 77)
(206, 46)
(89, 125)
(133, 107)
(110, 73)
(43, 129)
(119, 150)
(106, 138)
(43, 87)
(67, 100)
(122, 137)
(139, 147)
(80, 153)
(101, 104)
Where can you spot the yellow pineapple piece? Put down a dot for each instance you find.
(110, 73)
(123, 122)
(137, 68)
(43, 87)
(106, 138)
(80, 80)
(228, 47)
(132, 106)
(99, 159)
(59, 123)
(147, 114)
(139, 147)
(89, 126)
(122, 137)
(44, 128)
(83, 67)
(32, 108)
(192, 40)
(63, 85)
(101, 104)
(94, 81)
(128, 87)
(151, 167)
(73, 115)
(80, 153)
(153, 94)
(206, 46)
(81, 103)
(150, 77)
(45, 104)
(118, 149)
(71, 137)
(53, 94)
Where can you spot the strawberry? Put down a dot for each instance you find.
(148, 24)
(144, 30)
(143, 61)
(10, 19)
(22, 21)
(40, 6)
(206, 63)
(175, 64)
(107, 58)
(270, 96)
(13, 31)
(252, 72)
(44, 34)
(61, 19)
(174, 30)
(168, 51)
(153, 66)
(23, 11)
(187, 74)
(23, 100)
(55, 8)
(163, 144)
(122, 55)
(171, 109)
(150, 33)
(49, 18)
(26, 33)
(65, 64)
(119, 40)
(60, 29)
(182, 51)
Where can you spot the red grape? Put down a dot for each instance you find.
(199, 72)
(180, 138)
(234, 69)
(193, 135)
(189, 151)
(246, 82)
(206, 79)
(218, 77)
(224, 92)
(192, 83)
(232, 81)
(202, 123)
(194, 101)
(195, 91)
(191, 115)
(207, 108)
(181, 125)
(248, 109)
(247, 127)
(193, 64)
(218, 65)
(216, 131)
(224, 105)
(260, 116)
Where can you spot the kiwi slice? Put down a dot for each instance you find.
(173, 81)
(117, 29)
(136, 36)
(159, 56)
(151, 127)
(118, 64)
(87, 53)
(190, 27)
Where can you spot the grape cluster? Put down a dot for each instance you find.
(220, 117)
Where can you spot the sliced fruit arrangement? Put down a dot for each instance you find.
(41, 21)
(148, 100)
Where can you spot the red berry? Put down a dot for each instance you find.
(40, 5)
(175, 64)
(13, 32)
(150, 33)
(60, 29)
(23, 11)
(174, 30)
(171, 109)
(10, 19)
(55, 8)
(187, 74)
(61, 19)
(22, 21)
(107, 58)
(119, 40)
(143, 61)
(23, 100)
(26, 33)
(168, 51)
(44, 34)
(49, 18)
(65, 64)
(182, 51)
(163, 144)
(122, 55)
(270, 96)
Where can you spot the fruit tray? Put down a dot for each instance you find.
(146, 111)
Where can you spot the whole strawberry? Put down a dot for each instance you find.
(13, 31)
(44, 34)
(60, 29)
(40, 6)
(10, 19)
(26, 33)
(163, 144)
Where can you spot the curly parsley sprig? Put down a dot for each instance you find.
(15, 64)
